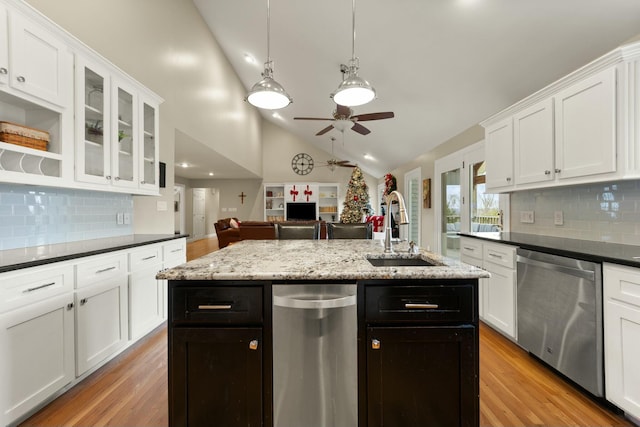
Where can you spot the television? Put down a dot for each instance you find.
(301, 211)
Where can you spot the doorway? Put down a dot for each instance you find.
(179, 213)
(198, 213)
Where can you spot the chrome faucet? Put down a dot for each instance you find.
(402, 213)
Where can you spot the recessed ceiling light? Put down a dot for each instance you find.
(276, 116)
(184, 165)
(369, 157)
(249, 59)
(210, 173)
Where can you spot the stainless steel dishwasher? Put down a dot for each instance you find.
(315, 355)
(559, 306)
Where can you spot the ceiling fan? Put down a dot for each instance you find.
(343, 118)
(332, 163)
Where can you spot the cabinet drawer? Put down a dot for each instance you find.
(217, 305)
(622, 283)
(504, 255)
(99, 268)
(174, 254)
(471, 248)
(34, 284)
(143, 258)
(430, 304)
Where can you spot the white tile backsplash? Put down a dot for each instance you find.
(31, 215)
(603, 212)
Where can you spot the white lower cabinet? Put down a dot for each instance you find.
(101, 309)
(145, 291)
(471, 253)
(622, 336)
(36, 338)
(174, 253)
(500, 292)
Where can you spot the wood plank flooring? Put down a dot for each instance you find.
(515, 389)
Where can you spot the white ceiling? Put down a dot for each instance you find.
(440, 65)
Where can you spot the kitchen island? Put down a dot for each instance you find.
(415, 336)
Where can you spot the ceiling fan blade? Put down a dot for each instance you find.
(360, 129)
(342, 110)
(325, 130)
(348, 165)
(310, 118)
(341, 162)
(374, 116)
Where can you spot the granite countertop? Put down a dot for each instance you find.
(314, 260)
(587, 250)
(15, 259)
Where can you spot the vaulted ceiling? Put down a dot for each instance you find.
(440, 65)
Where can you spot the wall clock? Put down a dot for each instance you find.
(302, 163)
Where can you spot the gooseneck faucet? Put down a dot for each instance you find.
(402, 213)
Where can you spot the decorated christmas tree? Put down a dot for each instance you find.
(356, 200)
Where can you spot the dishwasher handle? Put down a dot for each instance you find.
(572, 271)
(314, 304)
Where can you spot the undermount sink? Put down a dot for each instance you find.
(400, 262)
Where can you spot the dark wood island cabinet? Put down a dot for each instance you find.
(417, 344)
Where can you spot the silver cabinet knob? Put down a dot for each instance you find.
(558, 170)
(69, 306)
(108, 177)
(508, 179)
(83, 301)
(375, 344)
(21, 79)
(117, 178)
(3, 70)
(547, 172)
(253, 344)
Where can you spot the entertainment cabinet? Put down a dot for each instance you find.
(278, 196)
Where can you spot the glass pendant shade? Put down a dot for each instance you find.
(268, 94)
(354, 91)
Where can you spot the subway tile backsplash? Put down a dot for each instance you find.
(602, 212)
(32, 215)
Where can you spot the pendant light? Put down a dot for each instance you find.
(354, 90)
(268, 93)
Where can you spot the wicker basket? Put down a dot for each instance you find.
(25, 136)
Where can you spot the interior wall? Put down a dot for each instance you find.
(166, 46)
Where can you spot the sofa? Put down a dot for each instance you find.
(233, 231)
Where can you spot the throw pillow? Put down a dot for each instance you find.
(233, 223)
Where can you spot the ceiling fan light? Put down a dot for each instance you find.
(354, 91)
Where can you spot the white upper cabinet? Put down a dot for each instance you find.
(580, 129)
(533, 143)
(38, 60)
(148, 159)
(4, 46)
(125, 135)
(499, 155)
(586, 127)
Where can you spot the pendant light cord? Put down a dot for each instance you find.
(353, 23)
(268, 31)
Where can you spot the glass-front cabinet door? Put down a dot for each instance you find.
(92, 121)
(148, 158)
(124, 149)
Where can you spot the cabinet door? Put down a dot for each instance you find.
(36, 354)
(586, 127)
(124, 135)
(149, 166)
(499, 155)
(93, 130)
(4, 46)
(146, 304)
(500, 302)
(38, 61)
(622, 337)
(419, 376)
(101, 317)
(533, 143)
(215, 377)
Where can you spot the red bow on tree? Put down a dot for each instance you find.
(294, 193)
(308, 192)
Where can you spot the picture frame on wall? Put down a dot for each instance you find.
(426, 193)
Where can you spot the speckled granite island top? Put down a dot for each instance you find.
(314, 260)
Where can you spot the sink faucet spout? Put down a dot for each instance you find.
(402, 214)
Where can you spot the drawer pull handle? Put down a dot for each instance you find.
(469, 249)
(46, 285)
(253, 344)
(415, 305)
(148, 258)
(176, 250)
(495, 256)
(215, 307)
(104, 270)
(375, 344)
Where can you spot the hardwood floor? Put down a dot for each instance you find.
(515, 390)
